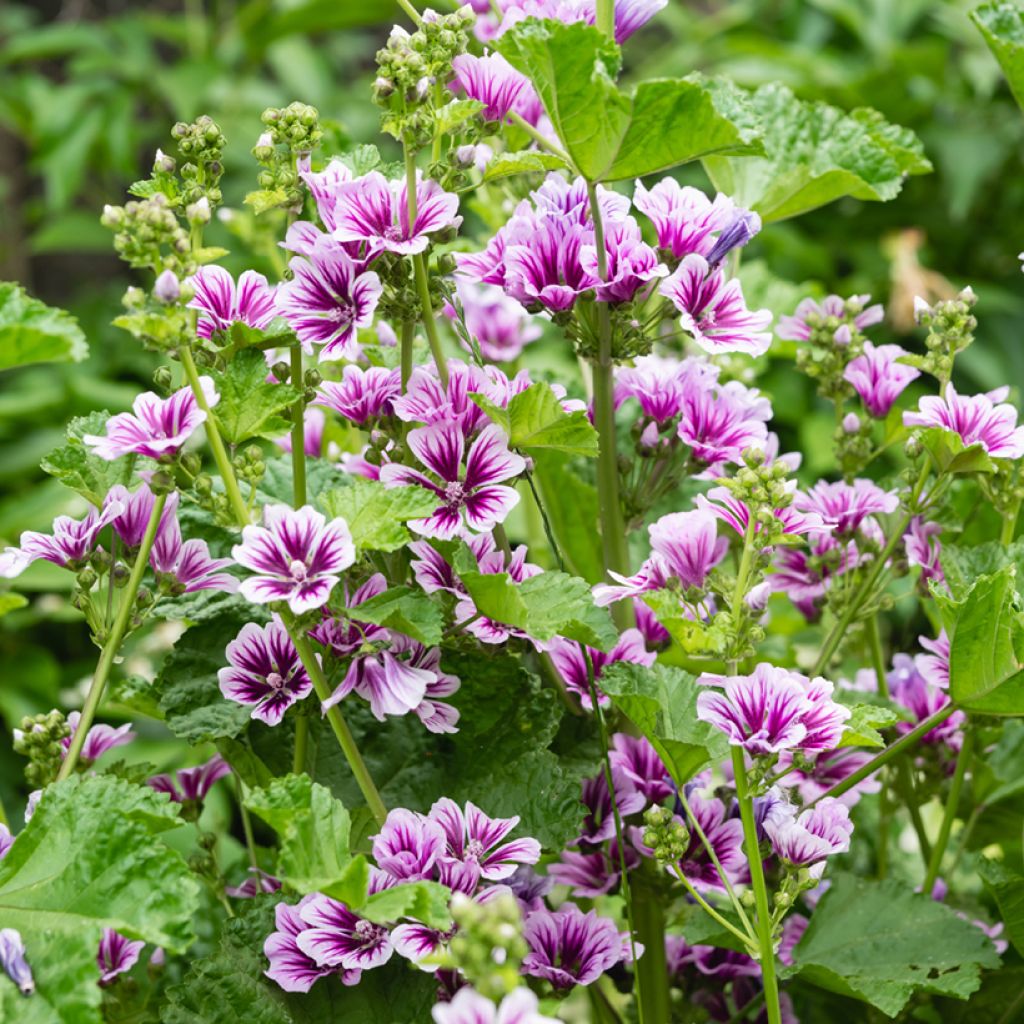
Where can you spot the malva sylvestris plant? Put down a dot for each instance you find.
(524, 688)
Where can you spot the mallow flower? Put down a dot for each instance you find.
(499, 325)
(807, 839)
(98, 740)
(473, 838)
(497, 85)
(116, 955)
(136, 508)
(568, 947)
(975, 419)
(191, 783)
(12, 960)
(69, 546)
(298, 557)
(221, 302)
(469, 1007)
(809, 313)
(186, 566)
(362, 394)
(879, 377)
(290, 967)
(571, 663)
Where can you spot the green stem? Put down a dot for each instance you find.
(710, 910)
(963, 759)
(905, 742)
(250, 842)
(605, 19)
(220, 455)
(548, 531)
(299, 499)
(614, 542)
(114, 640)
(1009, 524)
(408, 337)
(419, 263)
(542, 141)
(764, 920)
(338, 724)
(651, 969)
(414, 15)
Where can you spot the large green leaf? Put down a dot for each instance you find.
(249, 406)
(986, 657)
(880, 942)
(76, 467)
(571, 507)
(407, 610)
(32, 332)
(89, 859)
(662, 703)
(1002, 25)
(1007, 888)
(963, 565)
(612, 135)
(535, 421)
(376, 514)
(816, 154)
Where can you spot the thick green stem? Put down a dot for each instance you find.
(338, 724)
(419, 263)
(963, 759)
(651, 969)
(764, 919)
(1009, 524)
(541, 140)
(614, 542)
(407, 339)
(414, 15)
(605, 19)
(884, 757)
(114, 640)
(220, 454)
(299, 499)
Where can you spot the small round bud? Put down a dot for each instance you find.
(851, 423)
(163, 378)
(167, 288)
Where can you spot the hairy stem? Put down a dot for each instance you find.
(963, 759)
(419, 263)
(408, 336)
(346, 740)
(298, 500)
(651, 970)
(114, 640)
(764, 920)
(605, 19)
(414, 15)
(220, 454)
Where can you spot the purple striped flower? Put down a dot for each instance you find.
(6, 840)
(70, 545)
(116, 955)
(630, 15)
(221, 302)
(187, 566)
(473, 497)
(713, 309)
(572, 665)
(631, 263)
(257, 882)
(719, 423)
(853, 311)
(264, 671)
(496, 84)
(375, 211)
(427, 401)
(640, 764)
(157, 427)
(599, 821)
(326, 187)
(975, 419)
(499, 324)
(922, 698)
(136, 508)
(290, 967)
(805, 841)
(763, 713)
(408, 846)
(298, 556)
(844, 507)
(12, 960)
(924, 549)
(661, 385)
(191, 783)
(878, 376)
(725, 836)
(362, 395)
(721, 503)
(544, 267)
(313, 423)
(568, 947)
(98, 740)
(475, 839)
(328, 299)
(934, 666)
(469, 1007)
(593, 874)
(828, 770)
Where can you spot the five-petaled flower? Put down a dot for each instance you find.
(976, 419)
(221, 302)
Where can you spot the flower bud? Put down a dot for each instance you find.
(167, 288)
(163, 164)
(851, 423)
(199, 211)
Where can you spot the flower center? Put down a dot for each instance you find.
(474, 851)
(275, 681)
(454, 494)
(369, 933)
(342, 313)
(298, 570)
(393, 233)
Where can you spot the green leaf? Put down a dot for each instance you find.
(187, 687)
(815, 154)
(76, 467)
(1007, 889)
(313, 827)
(262, 200)
(11, 602)
(249, 406)
(525, 161)
(421, 901)
(537, 422)
(611, 135)
(862, 726)
(376, 514)
(1002, 25)
(880, 942)
(88, 860)
(986, 641)
(32, 332)
(963, 565)
(406, 610)
(662, 703)
(951, 455)
(455, 114)
(571, 507)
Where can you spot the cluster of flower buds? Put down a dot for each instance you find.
(201, 144)
(147, 233)
(40, 739)
(249, 464)
(764, 488)
(413, 70)
(489, 946)
(951, 325)
(666, 835)
(290, 135)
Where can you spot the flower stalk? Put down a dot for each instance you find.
(299, 499)
(963, 759)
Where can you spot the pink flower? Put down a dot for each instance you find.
(408, 845)
(116, 955)
(130, 524)
(844, 507)
(98, 740)
(469, 1007)
(336, 937)
(853, 311)
(499, 324)
(568, 947)
(221, 302)
(374, 210)
(195, 782)
(923, 547)
(298, 556)
(496, 84)
(70, 546)
(188, 566)
(362, 395)
(631, 263)
(713, 309)
(878, 376)
(630, 15)
(157, 427)
(328, 300)
(661, 385)
(474, 497)
(934, 666)
(817, 833)
(773, 710)
(290, 967)
(475, 839)
(976, 419)
(721, 503)
(572, 666)
(264, 671)
(544, 265)
(720, 422)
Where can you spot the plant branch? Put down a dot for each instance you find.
(963, 759)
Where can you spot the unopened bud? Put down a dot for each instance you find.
(167, 288)
(199, 211)
(851, 423)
